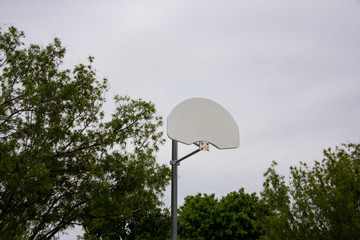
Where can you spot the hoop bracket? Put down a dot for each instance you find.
(204, 146)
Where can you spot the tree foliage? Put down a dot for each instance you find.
(322, 202)
(237, 215)
(61, 163)
(142, 225)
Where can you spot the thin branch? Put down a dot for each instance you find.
(63, 222)
(45, 216)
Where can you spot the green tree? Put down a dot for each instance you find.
(196, 217)
(61, 163)
(237, 215)
(322, 202)
(142, 225)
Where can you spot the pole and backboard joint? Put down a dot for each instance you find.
(173, 162)
(203, 146)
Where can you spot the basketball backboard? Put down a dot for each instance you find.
(201, 119)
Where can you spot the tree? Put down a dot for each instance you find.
(322, 202)
(237, 215)
(196, 217)
(61, 163)
(142, 225)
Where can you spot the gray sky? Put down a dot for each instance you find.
(288, 71)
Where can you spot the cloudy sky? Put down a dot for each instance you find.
(288, 71)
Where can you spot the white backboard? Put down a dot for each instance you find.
(201, 119)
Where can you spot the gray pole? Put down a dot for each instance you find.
(174, 190)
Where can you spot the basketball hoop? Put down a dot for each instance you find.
(202, 122)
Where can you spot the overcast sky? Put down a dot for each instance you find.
(288, 71)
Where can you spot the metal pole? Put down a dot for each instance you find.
(174, 190)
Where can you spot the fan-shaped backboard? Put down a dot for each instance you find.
(200, 119)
